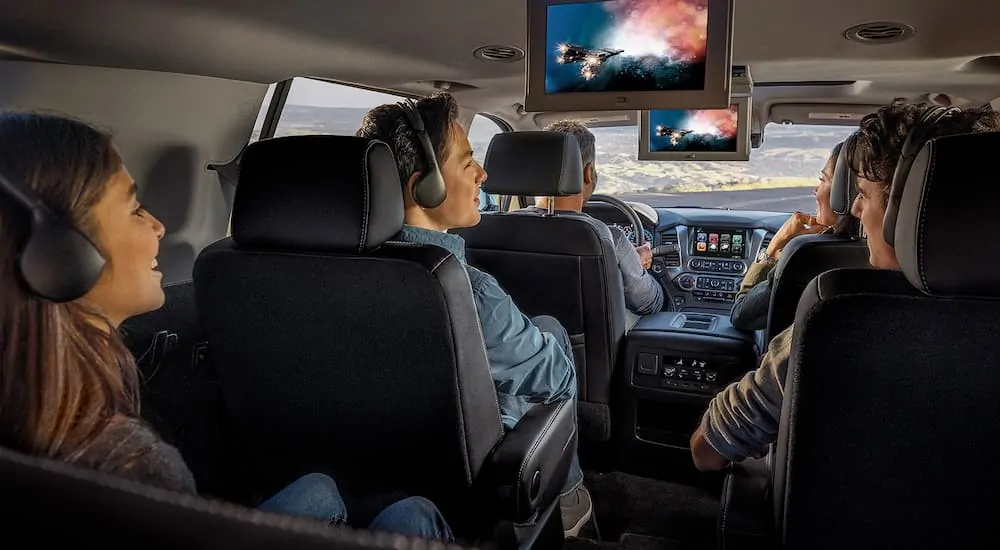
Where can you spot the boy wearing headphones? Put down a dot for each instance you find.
(531, 359)
(742, 420)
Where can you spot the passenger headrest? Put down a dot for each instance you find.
(534, 164)
(844, 187)
(944, 236)
(317, 194)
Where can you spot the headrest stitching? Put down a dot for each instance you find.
(921, 226)
(562, 164)
(364, 204)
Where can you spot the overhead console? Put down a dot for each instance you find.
(676, 362)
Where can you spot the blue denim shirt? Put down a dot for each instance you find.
(529, 366)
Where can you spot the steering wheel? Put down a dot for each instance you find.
(638, 234)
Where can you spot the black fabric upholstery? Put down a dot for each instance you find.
(317, 193)
(180, 392)
(367, 364)
(890, 414)
(534, 163)
(805, 257)
(50, 502)
(942, 241)
(358, 366)
(570, 274)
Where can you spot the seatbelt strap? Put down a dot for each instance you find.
(229, 177)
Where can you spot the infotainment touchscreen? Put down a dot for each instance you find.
(711, 242)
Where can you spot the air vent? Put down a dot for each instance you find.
(879, 32)
(671, 259)
(766, 242)
(499, 54)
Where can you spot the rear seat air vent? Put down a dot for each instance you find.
(672, 259)
(698, 322)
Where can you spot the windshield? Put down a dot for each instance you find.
(779, 176)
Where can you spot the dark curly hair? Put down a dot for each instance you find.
(388, 123)
(877, 146)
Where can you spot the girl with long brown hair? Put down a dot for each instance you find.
(68, 385)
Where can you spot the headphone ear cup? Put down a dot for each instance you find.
(59, 263)
(912, 146)
(429, 191)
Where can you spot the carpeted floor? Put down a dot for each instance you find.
(636, 513)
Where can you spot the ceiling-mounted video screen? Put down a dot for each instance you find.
(586, 55)
(696, 134)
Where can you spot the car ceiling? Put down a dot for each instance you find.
(402, 45)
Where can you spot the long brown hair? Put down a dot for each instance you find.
(64, 372)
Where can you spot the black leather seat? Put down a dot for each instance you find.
(555, 265)
(340, 352)
(49, 502)
(891, 406)
(807, 256)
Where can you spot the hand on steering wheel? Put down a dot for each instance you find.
(645, 255)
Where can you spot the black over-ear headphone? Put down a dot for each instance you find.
(57, 261)
(914, 142)
(429, 190)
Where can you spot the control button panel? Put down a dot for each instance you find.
(715, 289)
(677, 373)
(730, 267)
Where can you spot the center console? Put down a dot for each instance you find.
(717, 260)
(674, 363)
(709, 264)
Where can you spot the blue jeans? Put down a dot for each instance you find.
(547, 323)
(316, 496)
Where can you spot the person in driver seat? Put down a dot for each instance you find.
(531, 359)
(643, 294)
(69, 388)
(753, 300)
(742, 420)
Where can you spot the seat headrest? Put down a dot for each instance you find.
(534, 164)
(944, 236)
(844, 187)
(317, 194)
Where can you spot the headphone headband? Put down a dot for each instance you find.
(429, 190)
(912, 145)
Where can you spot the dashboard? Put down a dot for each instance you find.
(707, 250)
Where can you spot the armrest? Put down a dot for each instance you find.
(745, 521)
(528, 468)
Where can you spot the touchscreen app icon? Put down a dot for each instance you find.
(713, 237)
(724, 237)
(724, 247)
(701, 247)
(712, 247)
(702, 237)
(737, 239)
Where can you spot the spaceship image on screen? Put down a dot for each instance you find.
(625, 45)
(674, 134)
(591, 60)
(699, 130)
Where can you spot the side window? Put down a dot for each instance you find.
(481, 131)
(318, 107)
